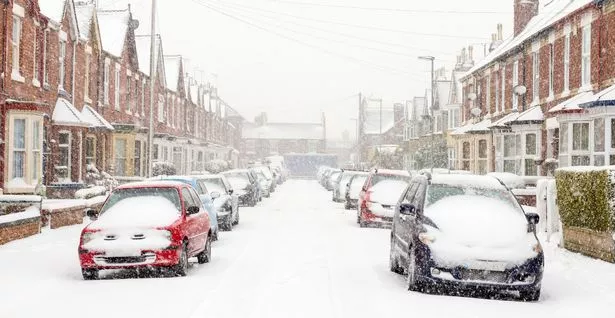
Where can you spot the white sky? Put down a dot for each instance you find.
(259, 71)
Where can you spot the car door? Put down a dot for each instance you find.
(401, 223)
(414, 224)
(205, 219)
(194, 222)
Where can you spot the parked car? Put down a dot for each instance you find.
(339, 192)
(269, 176)
(324, 177)
(204, 196)
(353, 189)
(226, 202)
(374, 177)
(331, 182)
(245, 185)
(380, 201)
(466, 232)
(264, 183)
(146, 225)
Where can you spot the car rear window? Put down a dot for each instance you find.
(437, 192)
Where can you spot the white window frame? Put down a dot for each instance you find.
(35, 59)
(117, 81)
(567, 64)
(527, 156)
(586, 38)
(515, 82)
(551, 70)
(580, 152)
(116, 156)
(61, 64)
(68, 146)
(86, 84)
(535, 77)
(488, 94)
(45, 69)
(33, 157)
(90, 158)
(106, 81)
(16, 34)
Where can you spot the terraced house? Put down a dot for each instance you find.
(542, 97)
(75, 94)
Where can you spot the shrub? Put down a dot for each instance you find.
(95, 177)
(216, 166)
(163, 168)
(585, 198)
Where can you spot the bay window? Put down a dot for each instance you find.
(19, 148)
(531, 154)
(482, 156)
(510, 154)
(466, 156)
(90, 150)
(580, 144)
(120, 157)
(36, 153)
(24, 149)
(63, 168)
(599, 141)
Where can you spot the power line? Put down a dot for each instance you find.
(368, 27)
(390, 10)
(315, 47)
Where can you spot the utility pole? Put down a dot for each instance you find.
(381, 138)
(152, 76)
(359, 127)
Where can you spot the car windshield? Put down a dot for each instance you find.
(118, 195)
(437, 192)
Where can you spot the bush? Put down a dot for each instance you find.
(585, 198)
(216, 166)
(163, 169)
(97, 178)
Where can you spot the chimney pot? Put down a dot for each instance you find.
(470, 51)
(500, 35)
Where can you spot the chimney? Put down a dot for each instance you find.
(500, 35)
(525, 10)
(464, 56)
(470, 51)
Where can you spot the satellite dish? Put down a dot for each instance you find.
(520, 90)
(472, 96)
(476, 111)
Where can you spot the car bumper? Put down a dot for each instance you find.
(224, 217)
(160, 258)
(352, 203)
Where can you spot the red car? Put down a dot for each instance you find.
(365, 216)
(151, 225)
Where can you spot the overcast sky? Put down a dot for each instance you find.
(297, 58)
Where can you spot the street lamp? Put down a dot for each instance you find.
(431, 59)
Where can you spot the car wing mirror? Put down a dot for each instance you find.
(407, 209)
(92, 214)
(193, 210)
(532, 218)
(230, 191)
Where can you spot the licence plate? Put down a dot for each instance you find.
(487, 266)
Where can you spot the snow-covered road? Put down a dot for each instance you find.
(296, 255)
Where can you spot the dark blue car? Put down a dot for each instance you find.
(466, 232)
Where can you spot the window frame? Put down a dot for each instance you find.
(90, 157)
(61, 64)
(32, 166)
(551, 70)
(16, 35)
(586, 55)
(515, 82)
(117, 81)
(68, 166)
(535, 77)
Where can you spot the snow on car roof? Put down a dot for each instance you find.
(152, 184)
(393, 172)
(467, 181)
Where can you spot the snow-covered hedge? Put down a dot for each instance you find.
(163, 168)
(585, 197)
(97, 178)
(217, 166)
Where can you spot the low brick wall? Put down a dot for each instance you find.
(591, 243)
(19, 229)
(58, 218)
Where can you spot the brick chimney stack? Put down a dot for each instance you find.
(525, 10)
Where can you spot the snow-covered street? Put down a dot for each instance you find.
(296, 255)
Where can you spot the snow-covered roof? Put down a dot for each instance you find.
(473, 181)
(66, 114)
(531, 115)
(283, 131)
(113, 29)
(480, 127)
(94, 118)
(552, 123)
(463, 129)
(53, 9)
(602, 98)
(504, 121)
(572, 104)
(85, 13)
(372, 120)
(172, 65)
(549, 13)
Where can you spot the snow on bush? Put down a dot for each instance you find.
(472, 227)
(91, 192)
(163, 168)
(217, 166)
(97, 178)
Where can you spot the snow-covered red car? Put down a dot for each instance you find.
(156, 224)
(365, 216)
(466, 233)
(380, 201)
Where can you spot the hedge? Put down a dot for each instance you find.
(585, 198)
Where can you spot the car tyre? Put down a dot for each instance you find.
(530, 295)
(181, 269)
(237, 218)
(228, 224)
(393, 262)
(347, 206)
(411, 279)
(205, 255)
(90, 274)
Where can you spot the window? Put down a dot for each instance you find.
(62, 65)
(452, 158)
(155, 151)
(137, 159)
(177, 158)
(515, 82)
(599, 142)
(497, 94)
(128, 94)
(580, 144)
(536, 76)
(488, 94)
(19, 148)
(45, 73)
(567, 63)
(90, 150)
(503, 85)
(531, 150)
(35, 57)
(530, 144)
(106, 82)
(466, 156)
(117, 87)
(137, 97)
(482, 156)
(551, 71)
(510, 154)
(161, 101)
(36, 151)
(86, 85)
(586, 56)
(120, 157)
(16, 46)
(63, 169)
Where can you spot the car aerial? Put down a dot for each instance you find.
(374, 177)
(353, 189)
(468, 233)
(378, 207)
(245, 185)
(146, 225)
(339, 192)
(206, 199)
(226, 202)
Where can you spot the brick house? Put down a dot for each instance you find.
(532, 85)
(379, 125)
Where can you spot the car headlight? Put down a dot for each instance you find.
(166, 234)
(426, 238)
(87, 237)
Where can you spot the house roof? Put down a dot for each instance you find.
(463, 129)
(85, 14)
(143, 43)
(572, 104)
(372, 120)
(549, 13)
(606, 97)
(65, 114)
(172, 66)
(113, 30)
(53, 9)
(283, 131)
(505, 121)
(480, 127)
(532, 114)
(95, 120)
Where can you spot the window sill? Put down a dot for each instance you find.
(17, 77)
(36, 83)
(87, 100)
(565, 93)
(585, 88)
(550, 98)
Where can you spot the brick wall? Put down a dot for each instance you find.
(591, 243)
(20, 229)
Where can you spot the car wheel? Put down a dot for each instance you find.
(530, 295)
(89, 274)
(411, 278)
(237, 218)
(215, 235)
(347, 206)
(205, 255)
(181, 269)
(228, 225)
(393, 262)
